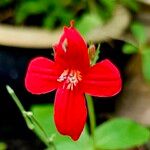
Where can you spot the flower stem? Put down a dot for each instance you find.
(91, 117)
(90, 103)
(20, 106)
(46, 139)
(30, 120)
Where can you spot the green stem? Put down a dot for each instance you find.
(20, 106)
(31, 121)
(46, 139)
(90, 103)
(91, 117)
(38, 124)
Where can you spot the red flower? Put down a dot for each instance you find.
(71, 74)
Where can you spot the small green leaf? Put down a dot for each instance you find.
(146, 63)
(139, 33)
(96, 55)
(120, 134)
(49, 21)
(4, 3)
(28, 8)
(55, 16)
(106, 8)
(84, 143)
(129, 49)
(88, 22)
(133, 5)
(44, 115)
(3, 146)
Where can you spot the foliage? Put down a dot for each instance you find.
(140, 47)
(44, 115)
(120, 134)
(129, 48)
(139, 33)
(54, 13)
(132, 5)
(146, 63)
(114, 134)
(93, 21)
(4, 3)
(3, 146)
(106, 8)
(107, 135)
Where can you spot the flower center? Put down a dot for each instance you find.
(70, 78)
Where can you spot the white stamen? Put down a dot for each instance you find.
(70, 78)
(63, 76)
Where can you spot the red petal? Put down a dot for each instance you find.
(70, 112)
(71, 51)
(41, 76)
(102, 80)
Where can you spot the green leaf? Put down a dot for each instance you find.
(106, 8)
(54, 17)
(139, 33)
(120, 134)
(49, 21)
(84, 143)
(28, 8)
(146, 63)
(3, 146)
(133, 5)
(88, 22)
(44, 115)
(4, 3)
(129, 49)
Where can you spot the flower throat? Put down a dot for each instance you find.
(70, 78)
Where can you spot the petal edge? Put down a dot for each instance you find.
(70, 112)
(103, 80)
(41, 76)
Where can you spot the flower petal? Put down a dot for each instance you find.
(72, 50)
(70, 112)
(102, 80)
(41, 76)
